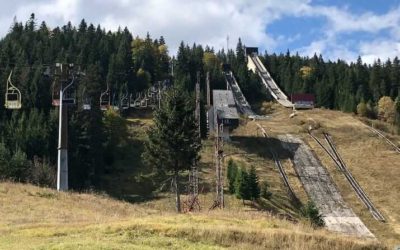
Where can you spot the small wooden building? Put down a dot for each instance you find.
(303, 101)
(223, 111)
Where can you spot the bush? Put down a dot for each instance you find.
(4, 160)
(232, 172)
(386, 109)
(267, 108)
(42, 173)
(311, 212)
(362, 109)
(265, 193)
(18, 166)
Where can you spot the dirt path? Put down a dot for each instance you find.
(322, 190)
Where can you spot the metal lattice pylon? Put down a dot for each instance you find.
(219, 164)
(193, 203)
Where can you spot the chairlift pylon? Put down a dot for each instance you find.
(68, 90)
(12, 96)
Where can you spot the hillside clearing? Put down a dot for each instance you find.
(41, 218)
(371, 160)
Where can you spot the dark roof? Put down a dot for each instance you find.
(302, 97)
(250, 50)
(225, 105)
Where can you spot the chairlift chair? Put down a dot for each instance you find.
(115, 104)
(136, 103)
(143, 102)
(131, 101)
(69, 93)
(105, 99)
(86, 101)
(12, 96)
(125, 101)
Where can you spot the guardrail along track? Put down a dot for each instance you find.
(240, 99)
(334, 154)
(379, 133)
(281, 170)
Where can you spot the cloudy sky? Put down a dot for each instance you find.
(336, 29)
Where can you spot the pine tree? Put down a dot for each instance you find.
(254, 188)
(173, 142)
(242, 185)
(232, 171)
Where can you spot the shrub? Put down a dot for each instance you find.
(362, 109)
(265, 193)
(386, 109)
(231, 174)
(311, 212)
(42, 173)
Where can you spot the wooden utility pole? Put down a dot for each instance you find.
(198, 103)
(208, 89)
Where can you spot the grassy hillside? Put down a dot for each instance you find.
(40, 218)
(372, 162)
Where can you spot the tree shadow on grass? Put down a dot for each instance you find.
(263, 147)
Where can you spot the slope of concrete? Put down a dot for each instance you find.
(322, 190)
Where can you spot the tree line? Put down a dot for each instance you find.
(28, 137)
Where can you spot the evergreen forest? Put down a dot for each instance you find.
(128, 63)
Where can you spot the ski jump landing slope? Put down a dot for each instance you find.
(254, 63)
(322, 190)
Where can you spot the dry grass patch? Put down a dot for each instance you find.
(98, 222)
(371, 161)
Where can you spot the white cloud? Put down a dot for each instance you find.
(342, 21)
(382, 49)
(205, 22)
(210, 21)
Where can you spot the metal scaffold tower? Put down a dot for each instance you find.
(219, 164)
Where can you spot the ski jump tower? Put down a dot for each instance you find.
(254, 64)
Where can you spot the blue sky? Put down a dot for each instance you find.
(340, 29)
(336, 29)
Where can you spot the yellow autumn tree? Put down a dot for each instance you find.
(210, 60)
(386, 109)
(306, 72)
